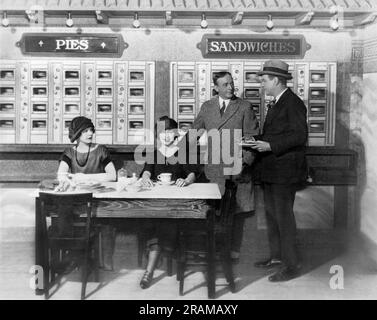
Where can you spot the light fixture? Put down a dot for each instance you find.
(69, 21)
(32, 15)
(168, 18)
(237, 18)
(136, 22)
(204, 23)
(5, 20)
(365, 19)
(305, 18)
(101, 17)
(334, 23)
(270, 23)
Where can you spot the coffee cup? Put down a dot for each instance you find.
(164, 178)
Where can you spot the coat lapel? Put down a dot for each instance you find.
(229, 111)
(275, 109)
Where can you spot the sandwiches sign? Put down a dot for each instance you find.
(255, 46)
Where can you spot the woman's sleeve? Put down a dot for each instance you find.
(67, 157)
(105, 156)
(149, 165)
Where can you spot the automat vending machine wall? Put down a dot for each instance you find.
(39, 99)
(314, 83)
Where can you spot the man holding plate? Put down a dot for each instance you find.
(282, 167)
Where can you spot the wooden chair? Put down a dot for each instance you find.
(71, 232)
(192, 242)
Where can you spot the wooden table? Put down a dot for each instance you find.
(161, 202)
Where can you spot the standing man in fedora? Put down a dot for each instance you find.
(282, 167)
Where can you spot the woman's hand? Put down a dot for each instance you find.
(63, 185)
(146, 182)
(181, 182)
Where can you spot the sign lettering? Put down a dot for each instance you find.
(82, 45)
(242, 46)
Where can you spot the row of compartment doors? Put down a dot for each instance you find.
(38, 99)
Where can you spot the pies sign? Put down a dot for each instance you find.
(72, 45)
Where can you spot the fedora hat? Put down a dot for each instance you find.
(275, 68)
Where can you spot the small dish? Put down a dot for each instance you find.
(133, 188)
(165, 183)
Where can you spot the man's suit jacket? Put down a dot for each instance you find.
(285, 128)
(238, 115)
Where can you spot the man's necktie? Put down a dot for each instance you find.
(271, 104)
(222, 109)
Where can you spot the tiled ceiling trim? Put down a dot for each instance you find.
(190, 5)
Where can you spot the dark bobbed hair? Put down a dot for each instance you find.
(165, 123)
(220, 74)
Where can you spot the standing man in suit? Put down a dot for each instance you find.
(231, 118)
(282, 167)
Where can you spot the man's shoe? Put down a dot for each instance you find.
(269, 263)
(285, 274)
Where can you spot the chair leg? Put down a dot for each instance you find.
(84, 275)
(140, 250)
(181, 265)
(96, 261)
(46, 275)
(170, 264)
(228, 269)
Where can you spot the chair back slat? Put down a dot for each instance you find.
(67, 211)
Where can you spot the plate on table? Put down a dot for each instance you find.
(165, 183)
(89, 185)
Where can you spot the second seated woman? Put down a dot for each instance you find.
(162, 235)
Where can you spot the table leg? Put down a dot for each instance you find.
(211, 271)
(39, 252)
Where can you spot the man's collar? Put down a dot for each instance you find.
(279, 95)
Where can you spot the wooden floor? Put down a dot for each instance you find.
(319, 253)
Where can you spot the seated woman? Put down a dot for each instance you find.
(86, 162)
(163, 235)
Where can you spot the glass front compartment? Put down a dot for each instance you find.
(71, 108)
(39, 107)
(252, 93)
(7, 91)
(137, 76)
(186, 93)
(104, 107)
(318, 76)
(104, 75)
(6, 107)
(71, 75)
(136, 92)
(7, 74)
(317, 126)
(39, 124)
(185, 76)
(136, 124)
(251, 76)
(6, 124)
(104, 124)
(317, 93)
(317, 109)
(136, 108)
(71, 91)
(185, 125)
(186, 108)
(39, 74)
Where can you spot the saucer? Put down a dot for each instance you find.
(165, 183)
